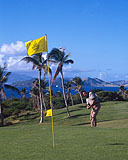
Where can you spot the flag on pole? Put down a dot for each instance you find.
(50, 101)
(49, 113)
(37, 46)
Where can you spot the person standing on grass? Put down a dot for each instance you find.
(94, 103)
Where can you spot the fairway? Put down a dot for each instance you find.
(74, 138)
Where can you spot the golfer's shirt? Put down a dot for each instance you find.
(92, 96)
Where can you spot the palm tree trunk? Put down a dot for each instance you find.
(64, 94)
(34, 103)
(24, 95)
(38, 103)
(71, 99)
(41, 105)
(44, 102)
(68, 93)
(81, 97)
(1, 116)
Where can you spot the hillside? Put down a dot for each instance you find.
(121, 82)
(14, 77)
(27, 83)
(94, 82)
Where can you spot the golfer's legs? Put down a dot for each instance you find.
(93, 118)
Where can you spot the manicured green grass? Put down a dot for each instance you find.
(74, 138)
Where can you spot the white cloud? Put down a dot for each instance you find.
(44, 56)
(13, 49)
(67, 67)
(107, 76)
(15, 64)
(126, 76)
(12, 55)
(102, 75)
(1, 58)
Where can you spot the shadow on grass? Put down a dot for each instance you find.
(79, 115)
(82, 107)
(60, 113)
(107, 120)
(28, 117)
(7, 124)
(115, 144)
(20, 118)
(89, 123)
(81, 124)
(73, 110)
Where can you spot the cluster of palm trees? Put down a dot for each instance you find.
(57, 56)
(75, 84)
(40, 64)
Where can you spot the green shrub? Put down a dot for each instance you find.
(108, 96)
(77, 100)
(15, 106)
(58, 102)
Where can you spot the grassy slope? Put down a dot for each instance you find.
(74, 138)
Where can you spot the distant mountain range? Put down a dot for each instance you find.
(14, 77)
(24, 84)
(94, 82)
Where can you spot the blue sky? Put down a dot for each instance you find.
(94, 31)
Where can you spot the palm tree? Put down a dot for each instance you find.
(122, 91)
(23, 91)
(126, 94)
(58, 94)
(77, 81)
(121, 88)
(39, 63)
(35, 97)
(59, 56)
(3, 79)
(43, 84)
(68, 86)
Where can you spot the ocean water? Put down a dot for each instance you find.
(11, 94)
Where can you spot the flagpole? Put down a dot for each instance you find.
(50, 94)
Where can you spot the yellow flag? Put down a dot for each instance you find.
(37, 46)
(49, 113)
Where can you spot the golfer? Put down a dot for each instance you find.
(94, 103)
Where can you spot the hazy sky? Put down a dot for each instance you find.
(94, 31)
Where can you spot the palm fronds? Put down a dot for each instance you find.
(38, 57)
(32, 60)
(45, 68)
(5, 77)
(69, 61)
(56, 54)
